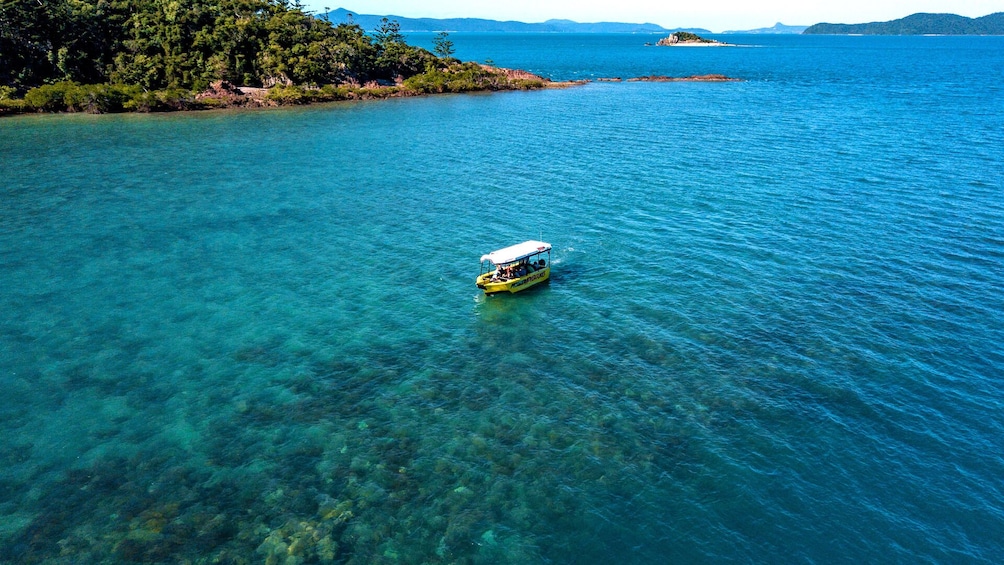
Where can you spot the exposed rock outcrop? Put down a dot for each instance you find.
(515, 74)
(693, 78)
(223, 93)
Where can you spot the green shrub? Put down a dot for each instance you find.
(164, 100)
(433, 80)
(210, 102)
(74, 97)
(8, 103)
(379, 92)
(13, 106)
(330, 92)
(102, 98)
(175, 99)
(289, 95)
(466, 77)
(50, 97)
(144, 101)
(529, 84)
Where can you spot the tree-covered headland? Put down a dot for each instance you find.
(146, 55)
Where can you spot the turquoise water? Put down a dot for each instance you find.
(773, 330)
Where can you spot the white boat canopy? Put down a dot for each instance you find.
(516, 252)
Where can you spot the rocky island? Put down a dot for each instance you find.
(687, 39)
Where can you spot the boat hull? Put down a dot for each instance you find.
(485, 283)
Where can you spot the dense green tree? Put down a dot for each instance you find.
(230, 46)
(44, 40)
(354, 53)
(170, 44)
(395, 58)
(388, 33)
(159, 48)
(115, 55)
(443, 46)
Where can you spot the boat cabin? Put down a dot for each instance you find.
(515, 268)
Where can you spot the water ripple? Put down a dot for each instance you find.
(773, 327)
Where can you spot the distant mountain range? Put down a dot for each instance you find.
(919, 24)
(370, 22)
(778, 29)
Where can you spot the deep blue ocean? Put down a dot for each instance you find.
(774, 331)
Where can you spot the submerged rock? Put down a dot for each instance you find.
(693, 78)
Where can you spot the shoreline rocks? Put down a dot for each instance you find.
(692, 78)
(663, 78)
(225, 95)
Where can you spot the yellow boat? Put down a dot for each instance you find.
(515, 268)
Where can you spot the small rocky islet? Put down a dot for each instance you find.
(687, 39)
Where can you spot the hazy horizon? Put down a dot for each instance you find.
(714, 15)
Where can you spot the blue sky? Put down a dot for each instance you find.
(715, 15)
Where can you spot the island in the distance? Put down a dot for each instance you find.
(480, 25)
(776, 29)
(918, 24)
(687, 39)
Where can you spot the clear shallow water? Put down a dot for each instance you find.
(774, 326)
